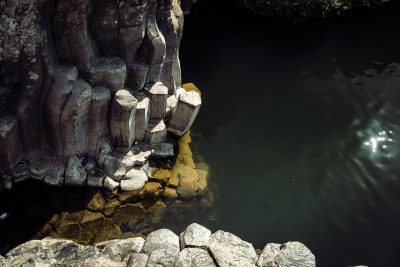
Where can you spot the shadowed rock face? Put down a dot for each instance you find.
(73, 72)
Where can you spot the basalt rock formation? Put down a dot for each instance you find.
(88, 87)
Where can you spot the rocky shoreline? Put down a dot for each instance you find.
(194, 247)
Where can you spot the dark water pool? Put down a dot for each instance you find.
(301, 128)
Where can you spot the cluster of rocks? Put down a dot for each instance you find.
(99, 91)
(174, 192)
(195, 247)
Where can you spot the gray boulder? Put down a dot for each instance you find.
(161, 258)
(290, 254)
(230, 250)
(195, 235)
(162, 239)
(194, 257)
(121, 249)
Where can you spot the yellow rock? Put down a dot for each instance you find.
(170, 193)
(157, 211)
(111, 207)
(186, 138)
(173, 181)
(184, 149)
(96, 203)
(160, 174)
(151, 190)
(191, 87)
(129, 213)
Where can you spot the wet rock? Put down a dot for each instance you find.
(161, 175)
(142, 118)
(98, 117)
(170, 194)
(156, 132)
(194, 257)
(74, 119)
(75, 173)
(138, 260)
(162, 257)
(229, 250)
(108, 72)
(158, 100)
(195, 235)
(286, 255)
(10, 144)
(55, 176)
(97, 203)
(185, 113)
(190, 183)
(162, 150)
(157, 211)
(110, 183)
(65, 73)
(137, 76)
(151, 190)
(134, 179)
(162, 239)
(130, 214)
(122, 118)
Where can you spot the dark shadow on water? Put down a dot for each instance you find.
(300, 125)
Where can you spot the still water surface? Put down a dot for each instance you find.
(300, 125)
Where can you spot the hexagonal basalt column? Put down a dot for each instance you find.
(74, 119)
(122, 118)
(108, 72)
(185, 112)
(155, 132)
(10, 144)
(158, 94)
(98, 117)
(142, 118)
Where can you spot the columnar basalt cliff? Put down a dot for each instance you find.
(90, 90)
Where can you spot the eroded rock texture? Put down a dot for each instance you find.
(76, 72)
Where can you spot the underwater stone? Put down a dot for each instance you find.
(97, 117)
(185, 113)
(75, 173)
(10, 144)
(108, 72)
(229, 250)
(155, 132)
(158, 100)
(118, 164)
(122, 118)
(74, 119)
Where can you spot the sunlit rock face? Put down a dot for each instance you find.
(75, 74)
(301, 9)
